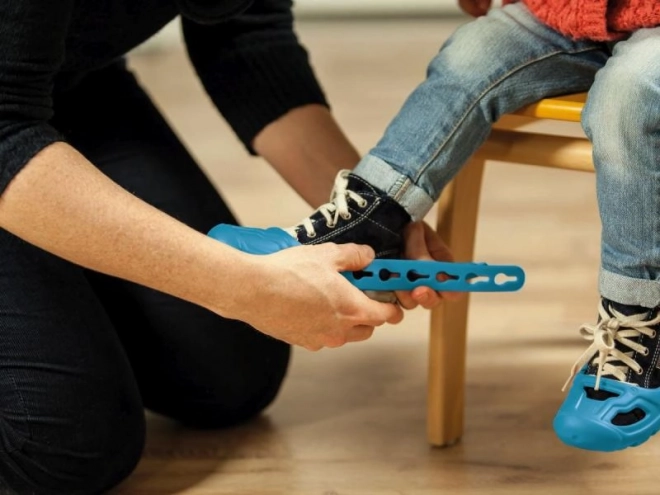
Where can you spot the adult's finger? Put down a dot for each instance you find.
(349, 257)
(378, 313)
(359, 333)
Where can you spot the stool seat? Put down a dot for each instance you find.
(567, 108)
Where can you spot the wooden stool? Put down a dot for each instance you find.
(510, 141)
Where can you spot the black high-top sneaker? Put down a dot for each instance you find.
(614, 401)
(359, 213)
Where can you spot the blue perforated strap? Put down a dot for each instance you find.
(386, 275)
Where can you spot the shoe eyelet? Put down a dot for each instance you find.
(330, 225)
(363, 203)
(311, 235)
(640, 371)
(646, 351)
(347, 216)
(654, 334)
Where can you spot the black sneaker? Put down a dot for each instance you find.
(359, 213)
(614, 401)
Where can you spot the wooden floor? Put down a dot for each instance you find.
(351, 421)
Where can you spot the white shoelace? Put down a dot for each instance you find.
(615, 328)
(338, 205)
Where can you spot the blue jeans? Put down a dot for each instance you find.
(508, 59)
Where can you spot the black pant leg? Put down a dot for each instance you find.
(71, 418)
(191, 364)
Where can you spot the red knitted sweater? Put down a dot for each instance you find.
(597, 20)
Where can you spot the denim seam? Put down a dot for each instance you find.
(435, 154)
(400, 187)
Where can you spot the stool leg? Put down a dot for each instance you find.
(457, 222)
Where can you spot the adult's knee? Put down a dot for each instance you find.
(226, 397)
(81, 461)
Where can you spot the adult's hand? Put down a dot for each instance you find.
(424, 243)
(63, 204)
(298, 295)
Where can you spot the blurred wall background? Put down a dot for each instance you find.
(376, 7)
(333, 9)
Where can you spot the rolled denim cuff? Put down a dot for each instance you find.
(628, 290)
(396, 185)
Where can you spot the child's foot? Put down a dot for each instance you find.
(614, 401)
(357, 212)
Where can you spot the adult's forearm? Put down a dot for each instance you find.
(307, 148)
(63, 204)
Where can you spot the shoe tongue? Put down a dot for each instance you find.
(625, 309)
(358, 185)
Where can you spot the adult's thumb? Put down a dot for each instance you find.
(352, 257)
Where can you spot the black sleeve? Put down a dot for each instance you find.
(253, 67)
(32, 36)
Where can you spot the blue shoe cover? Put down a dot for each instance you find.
(253, 240)
(587, 423)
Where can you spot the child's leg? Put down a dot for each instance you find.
(614, 402)
(622, 119)
(489, 67)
